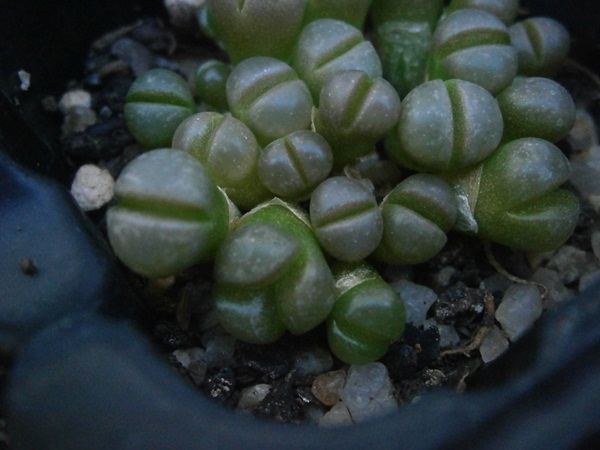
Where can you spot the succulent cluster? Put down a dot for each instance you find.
(285, 127)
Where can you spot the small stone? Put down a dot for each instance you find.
(556, 292)
(252, 396)
(327, 387)
(219, 351)
(77, 98)
(520, 307)
(448, 335)
(495, 283)
(134, 54)
(313, 413)
(313, 362)
(569, 262)
(594, 201)
(25, 78)
(368, 391)
(417, 300)
(92, 187)
(197, 371)
(589, 279)
(444, 277)
(493, 345)
(186, 356)
(78, 120)
(336, 416)
(182, 13)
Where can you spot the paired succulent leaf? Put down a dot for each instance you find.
(505, 10)
(271, 276)
(536, 107)
(417, 214)
(368, 315)
(291, 167)
(170, 214)
(210, 80)
(267, 95)
(517, 201)
(446, 126)
(229, 152)
(355, 112)
(157, 102)
(326, 47)
(346, 219)
(473, 45)
(542, 45)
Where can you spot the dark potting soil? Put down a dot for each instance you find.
(282, 381)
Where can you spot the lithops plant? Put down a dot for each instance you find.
(446, 126)
(267, 95)
(346, 219)
(169, 216)
(157, 102)
(473, 45)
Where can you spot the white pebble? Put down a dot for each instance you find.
(556, 291)
(25, 78)
(251, 396)
(569, 262)
(219, 351)
(417, 300)
(92, 187)
(368, 392)
(520, 307)
(187, 356)
(336, 416)
(77, 98)
(493, 345)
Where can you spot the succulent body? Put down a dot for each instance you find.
(355, 112)
(291, 167)
(473, 45)
(157, 102)
(446, 126)
(368, 315)
(229, 152)
(267, 95)
(326, 47)
(536, 107)
(345, 218)
(417, 214)
(270, 276)
(170, 214)
(534, 214)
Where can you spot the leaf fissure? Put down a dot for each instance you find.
(163, 208)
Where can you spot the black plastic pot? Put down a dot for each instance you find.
(83, 377)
